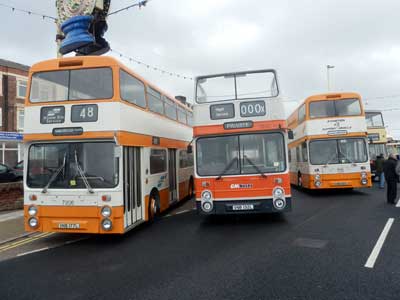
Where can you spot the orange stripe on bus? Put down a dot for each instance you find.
(88, 217)
(123, 137)
(332, 181)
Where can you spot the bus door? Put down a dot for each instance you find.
(132, 186)
(173, 193)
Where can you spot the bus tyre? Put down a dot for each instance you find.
(154, 206)
(191, 188)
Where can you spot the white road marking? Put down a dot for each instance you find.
(33, 251)
(398, 203)
(379, 244)
(182, 212)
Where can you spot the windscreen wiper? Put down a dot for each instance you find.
(55, 174)
(227, 168)
(84, 178)
(255, 166)
(346, 157)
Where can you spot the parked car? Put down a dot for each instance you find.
(8, 174)
(19, 169)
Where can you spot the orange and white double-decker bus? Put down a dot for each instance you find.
(330, 146)
(240, 144)
(105, 150)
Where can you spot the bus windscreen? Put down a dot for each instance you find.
(250, 85)
(338, 151)
(335, 108)
(82, 84)
(241, 154)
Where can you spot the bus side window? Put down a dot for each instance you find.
(182, 115)
(190, 160)
(132, 90)
(158, 161)
(155, 103)
(302, 113)
(298, 154)
(290, 155)
(170, 108)
(304, 152)
(182, 159)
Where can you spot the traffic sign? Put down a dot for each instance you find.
(11, 136)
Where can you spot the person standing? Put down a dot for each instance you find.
(379, 170)
(389, 169)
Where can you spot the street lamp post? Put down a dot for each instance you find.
(328, 67)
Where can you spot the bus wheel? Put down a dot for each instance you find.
(153, 209)
(191, 188)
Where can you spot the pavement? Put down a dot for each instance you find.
(333, 245)
(11, 225)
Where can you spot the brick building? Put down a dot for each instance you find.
(13, 85)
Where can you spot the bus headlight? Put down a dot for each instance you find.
(364, 181)
(32, 210)
(317, 183)
(364, 175)
(33, 222)
(317, 177)
(278, 192)
(206, 195)
(106, 224)
(106, 211)
(279, 204)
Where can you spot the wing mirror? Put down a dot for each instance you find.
(290, 134)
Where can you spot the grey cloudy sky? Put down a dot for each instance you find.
(361, 38)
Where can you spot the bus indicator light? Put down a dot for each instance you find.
(106, 198)
(32, 197)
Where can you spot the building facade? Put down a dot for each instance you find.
(13, 88)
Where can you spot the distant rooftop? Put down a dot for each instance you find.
(13, 65)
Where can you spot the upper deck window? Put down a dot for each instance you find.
(132, 89)
(335, 108)
(82, 84)
(181, 115)
(250, 85)
(155, 102)
(374, 119)
(170, 108)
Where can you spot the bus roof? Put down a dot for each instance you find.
(235, 73)
(79, 62)
(331, 96)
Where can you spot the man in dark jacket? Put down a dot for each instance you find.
(389, 169)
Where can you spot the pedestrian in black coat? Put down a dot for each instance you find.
(391, 177)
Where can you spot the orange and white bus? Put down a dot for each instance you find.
(240, 144)
(105, 150)
(330, 146)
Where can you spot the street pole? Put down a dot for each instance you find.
(328, 67)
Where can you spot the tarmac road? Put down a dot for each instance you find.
(333, 245)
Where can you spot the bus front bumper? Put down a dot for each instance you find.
(244, 207)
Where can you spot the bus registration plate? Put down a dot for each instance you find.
(243, 207)
(68, 226)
